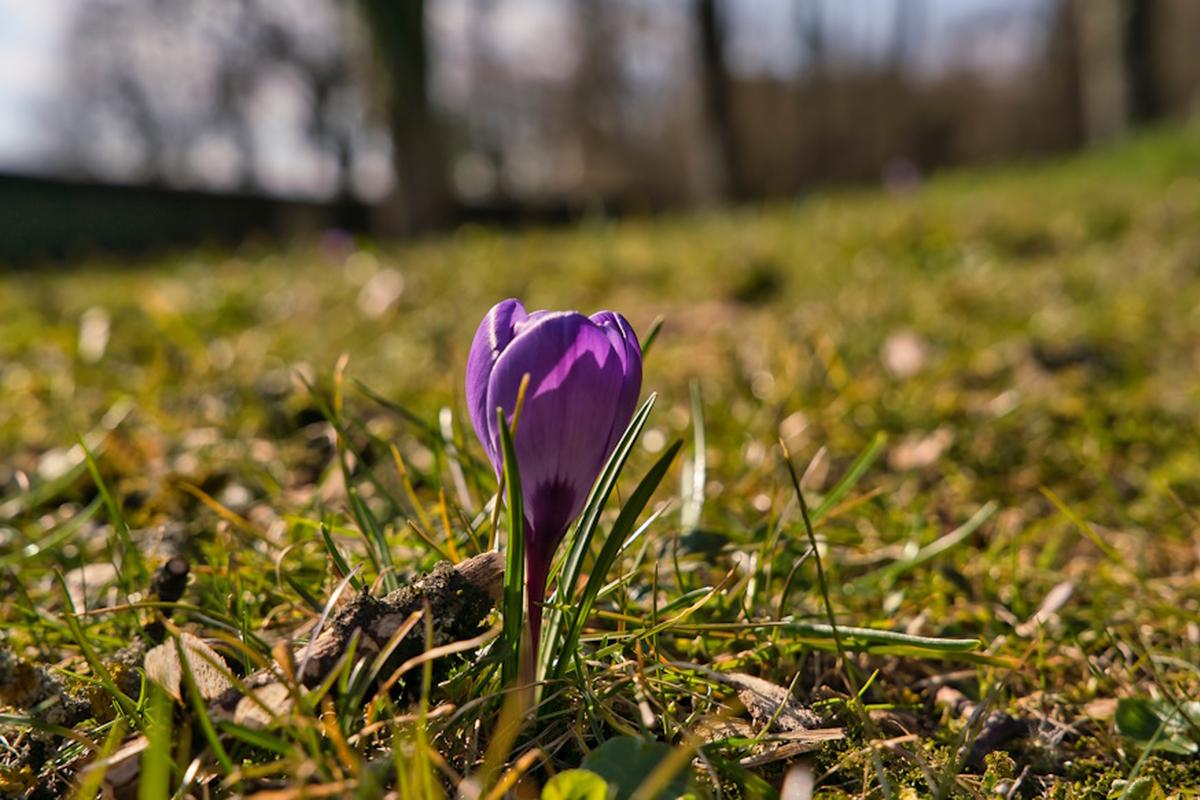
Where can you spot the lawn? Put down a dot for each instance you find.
(989, 390)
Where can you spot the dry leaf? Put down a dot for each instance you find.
(163, 667)
(768, 702)
(274, 696)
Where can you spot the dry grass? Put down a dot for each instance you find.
(989, 389)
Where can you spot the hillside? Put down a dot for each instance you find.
(989, 384)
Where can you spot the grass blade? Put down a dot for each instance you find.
(53, 539)
(99, 670)
(861, 464)
(514, 572)
(330, 604)
(372, 531)
(339, 562)
(695, 478)
(130, 555)
(880, 636)
(257, 738)
(942, 545)
(91, 777)
(1083, 526)
(579, 543)
(429, 433)
(198, 706)
(652, 335)
(608, 554)
(155, 779)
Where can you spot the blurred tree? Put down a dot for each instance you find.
(1121, 45)
(908, 21)
(190, 94)
(718, 101)
(623, 105)
(810, 29)
(421, 198)
(1141, 26)
(595, 102)
(812, 91)
(1102, 72)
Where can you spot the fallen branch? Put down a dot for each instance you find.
(458, 599)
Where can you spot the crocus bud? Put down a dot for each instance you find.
(585, 375)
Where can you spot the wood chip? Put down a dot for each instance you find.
(767, 702)
(770, 703)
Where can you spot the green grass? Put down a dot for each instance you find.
(1046, 446)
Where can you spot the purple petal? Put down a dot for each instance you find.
(491, 338)
(533, 317)
(629, 351)
(576, 380)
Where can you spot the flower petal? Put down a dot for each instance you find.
(491, 338)
(576, 379)
(629, 351)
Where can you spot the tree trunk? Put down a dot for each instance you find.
(1102, 73)
(718, 105)
(421, 199)
(1140, 24)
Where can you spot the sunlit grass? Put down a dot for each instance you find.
(988, 390)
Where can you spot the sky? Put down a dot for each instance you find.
(30, 35)
(764, 42)
(1001, 32)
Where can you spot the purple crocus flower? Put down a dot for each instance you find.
(585, 374)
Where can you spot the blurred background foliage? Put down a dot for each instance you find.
(1030, 326)
(127, 123)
